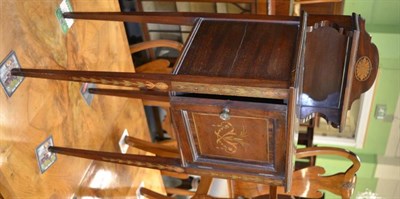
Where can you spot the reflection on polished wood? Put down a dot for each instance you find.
(40, 108)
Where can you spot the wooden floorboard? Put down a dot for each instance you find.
(40, 108)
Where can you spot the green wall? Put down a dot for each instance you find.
(383, 23)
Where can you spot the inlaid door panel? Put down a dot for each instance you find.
(233, 135)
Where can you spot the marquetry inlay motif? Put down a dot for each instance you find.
(233, 139)
(229, 138)
(363, 68)
(139, 84)
(245, 91)
(145, 164)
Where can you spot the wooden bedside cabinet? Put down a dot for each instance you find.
(240, 126)
(241, 86)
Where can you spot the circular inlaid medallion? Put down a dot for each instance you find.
(363, 68)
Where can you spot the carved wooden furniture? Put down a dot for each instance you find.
(310, 181)
(159, 65)
(305, 139)
(237, 90)
(168, 149)
(201, 192)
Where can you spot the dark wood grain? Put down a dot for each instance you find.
(236, 91)
(335, 47)
(365, 49)
(247, 50)
(324, 63)
(363, 66)
(252, 140)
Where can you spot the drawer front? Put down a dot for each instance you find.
(231, 135)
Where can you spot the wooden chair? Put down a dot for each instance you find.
(167, 149)
(160, 66)
(157, 65)
(310, 181)
(317, 6)
(201, 192)
(307, 182)
(257, 170)
(306, 139)
(260, 7)
(163, 66)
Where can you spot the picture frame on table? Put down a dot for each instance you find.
(44, 157)
(8, 82)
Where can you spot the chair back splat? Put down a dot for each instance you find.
(310, 182)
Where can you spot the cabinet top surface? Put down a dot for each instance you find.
(240, 49)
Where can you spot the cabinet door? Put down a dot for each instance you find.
(235, 136)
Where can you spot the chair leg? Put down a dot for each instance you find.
(157, 124)
(151, 194)
(273, 192)
(157, 149)
(177, 191)
(204, 186)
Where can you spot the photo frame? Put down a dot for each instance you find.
(8, 82)
(44, 157)
(84, 90)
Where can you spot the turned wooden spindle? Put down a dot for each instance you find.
(176, 18)
(276, 89)
(139, 80)
(160, 163)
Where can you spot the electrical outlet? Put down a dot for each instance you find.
(380, 111)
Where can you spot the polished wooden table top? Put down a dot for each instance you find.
(40, 108)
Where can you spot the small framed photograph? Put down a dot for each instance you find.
(66, 24)
(44, 157)
(88, 97)
(8, 82)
